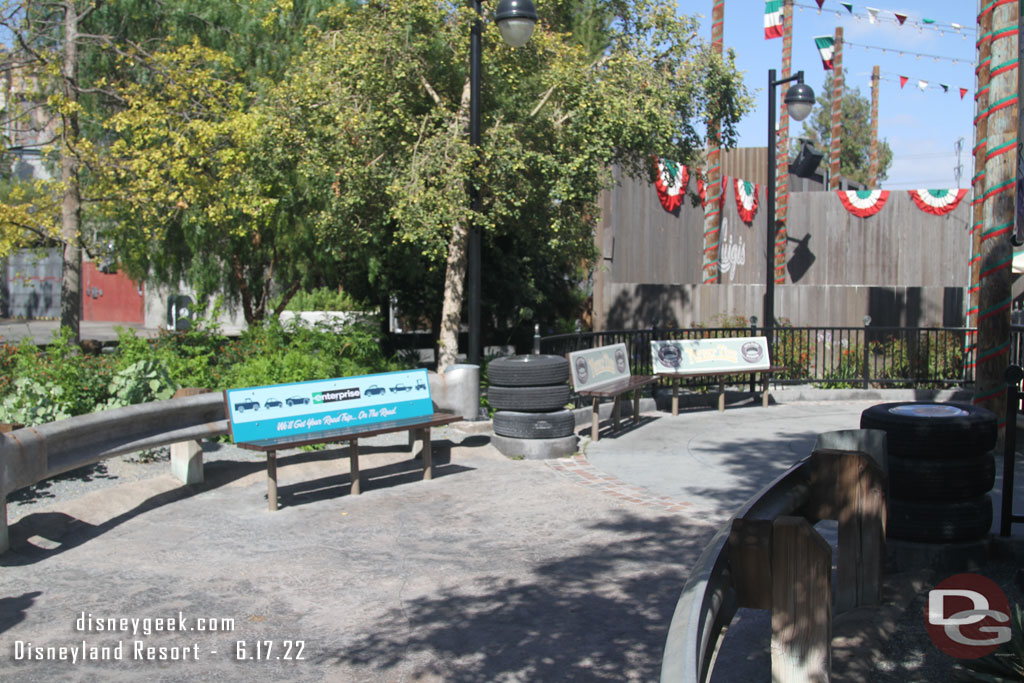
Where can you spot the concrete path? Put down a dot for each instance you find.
(497, 570)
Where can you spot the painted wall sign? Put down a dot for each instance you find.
(308, 407)
(602, 365)
(696, 356)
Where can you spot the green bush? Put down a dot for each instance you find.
(322, 299)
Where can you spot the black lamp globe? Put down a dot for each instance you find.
(799, 101)
(516, 19)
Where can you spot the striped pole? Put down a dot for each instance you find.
(782, 149)
(713, 184)
(873, 164)
(984, 48)
(837, 110)
(998, 208)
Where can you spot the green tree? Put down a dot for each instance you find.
(379, 106)
(855, 146)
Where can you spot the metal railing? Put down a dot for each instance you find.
(829, 357)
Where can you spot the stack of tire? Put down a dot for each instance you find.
(941, 469)
(529, 394)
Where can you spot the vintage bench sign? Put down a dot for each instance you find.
(593, 367)
(696, 356)
(308, 407)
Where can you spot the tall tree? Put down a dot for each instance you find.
(392, 81)
(855, 147)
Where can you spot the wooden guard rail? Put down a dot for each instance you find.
(770, 557)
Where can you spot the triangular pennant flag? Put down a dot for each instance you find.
(903, 81)
(872, 14)
(826, 46)
(820, 3)
(945, 88)
(963, 91)
(772, 19)
(848, 6)
(900, 17)
(927, 20)
(956, 26)
(922, 84)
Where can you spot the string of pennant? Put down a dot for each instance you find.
(901, 52)
(875, 15)
(922, 84)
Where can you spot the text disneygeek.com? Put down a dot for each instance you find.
(140, 649)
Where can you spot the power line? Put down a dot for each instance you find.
(901, 52)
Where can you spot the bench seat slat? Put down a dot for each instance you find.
(612, 389)
(350, 433)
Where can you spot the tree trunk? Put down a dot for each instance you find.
(71, 206)
(454, 285)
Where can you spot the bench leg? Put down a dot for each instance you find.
(272, 480)
(675, 397)
(428, 463)
(721, 395)
(595, 419)
(636, 406)
(616, 412)
(353, 459)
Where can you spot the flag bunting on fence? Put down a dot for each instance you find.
(671, 184)
(938, 202)
(863, 203)
(746, 199)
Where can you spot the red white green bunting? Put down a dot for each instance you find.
(863, 203)
(701, 190)
(937, 202)
(671, 183)
(746, 199)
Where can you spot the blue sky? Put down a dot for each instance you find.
(921, 126)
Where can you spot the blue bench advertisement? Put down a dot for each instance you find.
(283, 410)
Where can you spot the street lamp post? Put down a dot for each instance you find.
(515, 19)
(799, 100)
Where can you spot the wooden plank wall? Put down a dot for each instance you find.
(901, 266)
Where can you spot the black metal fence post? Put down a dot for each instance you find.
(536, 339)
(867, 351)
(1013, 376)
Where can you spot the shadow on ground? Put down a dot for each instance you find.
(601, 613)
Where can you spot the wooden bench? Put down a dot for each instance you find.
(305, 425)
(718, 357)
(603, 372)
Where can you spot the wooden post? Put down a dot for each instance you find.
(981, 99)
(272, 480)
(750, 562)
(801, 603)
(675, 396)
(998, 213)
(617, 411)
(428, 462)
(713, 187)
(849, 487)
(353, 460)
(595, 419)
(636, 406)
(873, 158)
(721, 394)
(782, 150)
(837, 111)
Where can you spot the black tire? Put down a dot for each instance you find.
(949, 479)
(554, 425)
(967, 520)
(931, 430)
(528, 371)
(529, 399)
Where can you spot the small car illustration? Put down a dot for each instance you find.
(374, 390)
(420, 385)
(296, 400)
(247, 404)
(401, 387)
(273, 403)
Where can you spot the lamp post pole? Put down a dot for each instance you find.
(769, 263)
(474, 349)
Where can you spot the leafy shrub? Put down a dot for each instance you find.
(144, 380)
(32, 403)
(321, 299)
